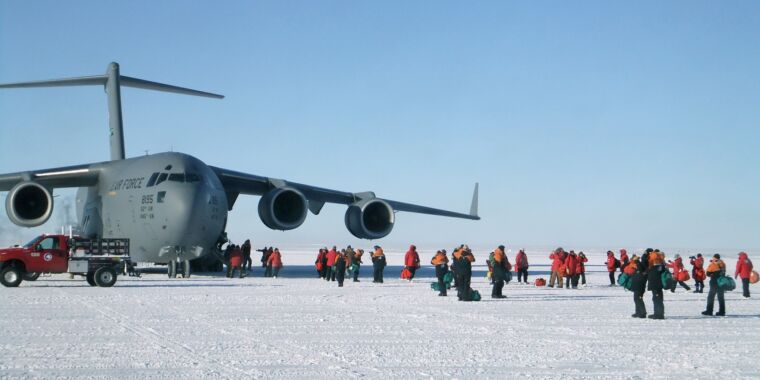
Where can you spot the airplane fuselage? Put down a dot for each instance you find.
(170, 205)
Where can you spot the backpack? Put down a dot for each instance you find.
(448, 278)
(617, 263)
(667, 279)
(726, 283)
(406, 274)
(474, 295)
(623, 280)
(434, 286)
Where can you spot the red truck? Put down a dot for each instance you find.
(98, 260)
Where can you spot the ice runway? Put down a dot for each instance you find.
(298, 326)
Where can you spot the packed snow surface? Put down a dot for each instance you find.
(297, 326)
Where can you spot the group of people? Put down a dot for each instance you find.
(567, 267)
(334, 265)
(238, 258)
(651, 272)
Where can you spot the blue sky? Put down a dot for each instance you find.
(586, 123)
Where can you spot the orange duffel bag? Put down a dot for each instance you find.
(540, 282)
(753, 277)
(683, 276)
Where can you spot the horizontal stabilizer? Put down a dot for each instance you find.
(148, 85)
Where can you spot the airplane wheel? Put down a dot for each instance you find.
(10, 276)
(105, 277)
(172, 269)
(31, 276)
(91, 278)
(186, 269)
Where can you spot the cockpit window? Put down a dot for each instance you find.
(161, 178)
(177, 177)
(152, 180)
(192, 177)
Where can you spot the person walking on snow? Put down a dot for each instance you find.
(331, 255)
(623, 261)
(744, 270)
(636, 269)
(612, 265)
(582, 260)
(412, 261)
(521, 267)
(715, 270)
(677, 266)
(275, 261)
(440, 261)
(698, 272)
(557, 257)
(378, 264)
(340, 267)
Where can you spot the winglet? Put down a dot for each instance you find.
(474, 205)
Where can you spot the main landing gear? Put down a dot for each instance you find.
(179, 268)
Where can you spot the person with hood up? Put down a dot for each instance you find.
(440, 261)
(612, 265)
(340, 267)
(321, 262)
(331, 255)
(623, 261)
(412, 261)
(677, 266)
(267, 266)
(357, 263)
(655, 261)
(744, 270)
(571, 267)
(236, 262)
(715, 270)
(275, 262)
(558, 258)
(246, 248)
(521, 267)
(698, 272)
(464, 271)
(499, 272)
(378, 264)
(582, 260)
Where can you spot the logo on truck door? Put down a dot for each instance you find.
(48, 256)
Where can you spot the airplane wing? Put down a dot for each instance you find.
(68, 176)
(236, 183)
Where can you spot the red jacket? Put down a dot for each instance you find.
(698, 270)
(610, 262)
(521, 261)
(236, 257)
(331, 257)
(571, 263)
(623, 259)
(412, 259)
(677, 266)
(579, 267)
(743, 266)
(275, 259)
(557, 259)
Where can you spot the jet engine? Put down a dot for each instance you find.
(29, 204)
(370, 219)
(283, 208)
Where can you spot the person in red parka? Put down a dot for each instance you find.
(582, 260)
(612, 265)
(623, 261)
(558, 258)
(321, 263)
(698, 272)
(677, 267)
(275, 260)
(571, 263)
(521, 267)
(331, 255)
(236, 262)
(412, 261)
(744, 270)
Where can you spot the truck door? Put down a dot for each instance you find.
(53, 256)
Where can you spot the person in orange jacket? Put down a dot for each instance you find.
(612, 265)
(744, 270)
(464, 272)
(571, 265)
(677, 266)
(412, 261)
(378, 264)
(715, 270)
(441, 264)
(236, 262)
(558, 258)
(499, 272)
(331, 255)
(582, 260)
(623, 261)
(655, 264)
(275, 261)
(636, 270)
(698, 272)
(521, 267)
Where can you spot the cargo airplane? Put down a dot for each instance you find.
(172, 206)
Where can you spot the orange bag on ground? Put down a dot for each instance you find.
(540, 282)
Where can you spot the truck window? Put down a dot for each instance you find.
(31, 242)
(49, 243)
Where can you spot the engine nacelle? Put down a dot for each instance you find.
(283, 208)
(370, 219)
(29, 204)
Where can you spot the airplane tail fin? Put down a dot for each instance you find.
(113, 81)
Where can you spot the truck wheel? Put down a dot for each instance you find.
(186, 269)
(31, 276)
(105, 277)
(91, 278)
(10, 276)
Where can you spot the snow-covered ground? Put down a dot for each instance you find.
(297, 326)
